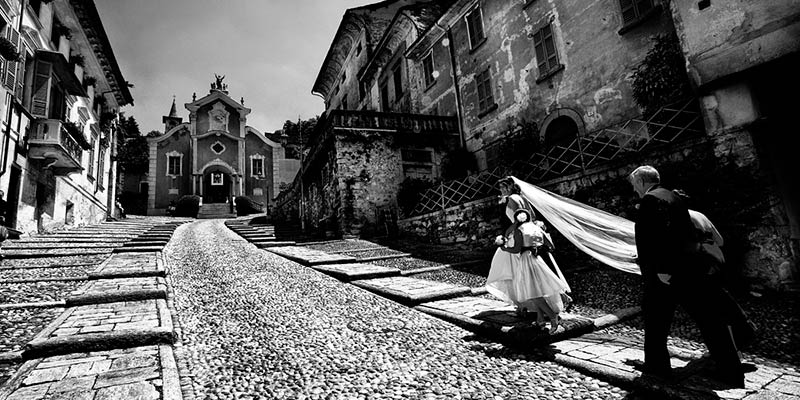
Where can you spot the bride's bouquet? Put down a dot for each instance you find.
(499, 240)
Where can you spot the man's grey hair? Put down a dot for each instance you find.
(647, 174)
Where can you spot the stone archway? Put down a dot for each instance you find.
(217, 182)
(561, 127)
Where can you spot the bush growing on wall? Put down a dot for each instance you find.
(661, 77)
(188, 206)
(458, 163)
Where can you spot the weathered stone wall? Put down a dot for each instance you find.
(722, 175)
(369, 172)
(594, 83)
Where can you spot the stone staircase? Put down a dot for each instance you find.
(215, 210)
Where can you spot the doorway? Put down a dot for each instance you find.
(13, 196)
(216, 186)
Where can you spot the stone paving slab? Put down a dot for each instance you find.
(265, 244)
(130, 265)
(309, 257)
(146, 243)
(137, 249)
(108, 326)
(609, 357)
(498, 319)
(48, 239)
(142, 373)
(411, 290)
(356, 271)
(53, 253)
(60, 245)
(116, 290)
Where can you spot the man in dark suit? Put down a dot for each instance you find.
(671, 275)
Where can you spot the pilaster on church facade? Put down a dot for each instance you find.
(213, 155)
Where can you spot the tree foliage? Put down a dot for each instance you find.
(132, 150)
(297, 135)
(661, 77)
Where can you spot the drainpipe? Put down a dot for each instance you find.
(11, 104)
(459, 112)
(112, 184)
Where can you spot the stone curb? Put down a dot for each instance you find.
(137, 249)
(386, 257)
(125, 273)
(115, 297)
(48, 279)
(359, 250)
(97, 342)
(10, 357)
(15, 380)
(56, 246)
(11, 256)
(41, 304)
(266, 245)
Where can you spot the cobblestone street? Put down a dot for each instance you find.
(255, 325)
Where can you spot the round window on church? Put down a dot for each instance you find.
(217, 148)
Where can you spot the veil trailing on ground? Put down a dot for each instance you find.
(606, 237)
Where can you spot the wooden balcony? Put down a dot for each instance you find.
(50, 141)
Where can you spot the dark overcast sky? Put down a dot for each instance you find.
(269, 51)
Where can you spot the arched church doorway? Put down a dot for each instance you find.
(216, 185)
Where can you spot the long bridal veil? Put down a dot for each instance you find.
(606, 237)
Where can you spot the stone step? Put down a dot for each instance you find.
(309, 257)
(137, 249)
(412, 291)
(356, 271)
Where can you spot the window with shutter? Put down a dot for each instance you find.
(545, 48)
(41, 89)
(634, 9)
(12, 67)
(484, 88)
(475, 27)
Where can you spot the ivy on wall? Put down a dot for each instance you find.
(661, 77)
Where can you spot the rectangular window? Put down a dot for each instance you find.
(417, 163)
(427, 69)
(362, 90)
(475, 27)
(546, 55)
(174, 165)
(385, 97)
(397, 77)
(484, 85)
(90, 171)
(634, 9)
(258, 167)
(100, 165)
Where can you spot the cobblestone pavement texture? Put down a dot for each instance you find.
(19, 326)
(255, 325)
(51, 261)
(38, 273)
(36, 291)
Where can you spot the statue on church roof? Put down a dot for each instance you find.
(219, 85)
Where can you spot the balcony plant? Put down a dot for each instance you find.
(9, 50)
(89, 80)
(77, 59)
(72, 128)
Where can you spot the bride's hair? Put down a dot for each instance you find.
(508, 181)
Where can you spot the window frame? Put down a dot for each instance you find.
(427, 76)
(397, 81)
(253, 159)
(179, 156)
(639, 16)
(474, 42)
(540, 41)
(484, 92)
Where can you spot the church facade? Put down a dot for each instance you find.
(215, 155)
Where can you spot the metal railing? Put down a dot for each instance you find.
(392, 121)
(52, 131)
(674, 122)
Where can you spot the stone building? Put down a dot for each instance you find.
(545, 91)
(362, 148)
(215, 155)
(62, 89)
